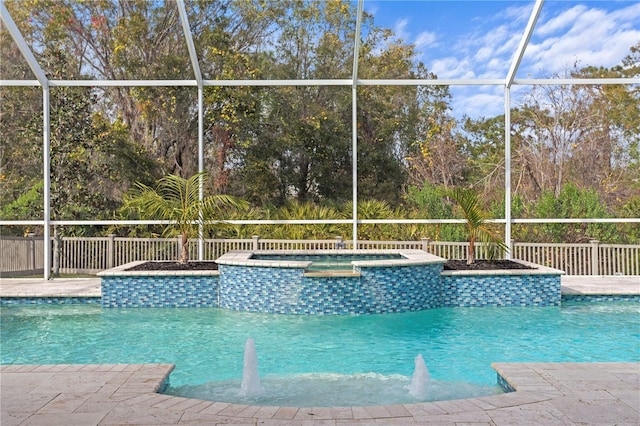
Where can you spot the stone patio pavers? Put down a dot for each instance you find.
(572, 394)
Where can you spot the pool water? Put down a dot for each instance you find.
(323, 360)
(327, 261)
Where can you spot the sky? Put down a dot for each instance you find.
(478, 39)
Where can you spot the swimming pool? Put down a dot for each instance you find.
(323, 360)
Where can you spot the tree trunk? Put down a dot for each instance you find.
(184, 256)
(471, 257)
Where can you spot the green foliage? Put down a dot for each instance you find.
(573, 202)
(295, 210)
(25, 205)
(478, 227)
(373, 209)
(429, 205)
(630, 231)
(178, 200)
(93, 159)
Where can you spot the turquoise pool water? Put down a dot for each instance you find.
(323, 360)
(327, 261)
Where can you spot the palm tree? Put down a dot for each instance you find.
(178, 199)
(477, 221)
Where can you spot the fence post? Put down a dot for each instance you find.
(340, 244)
(32, 252)
(256, 242)
(595, 257)
(57, 251)
(425, 244)
(110, 251)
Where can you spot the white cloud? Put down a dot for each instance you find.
(425, 39)
(582, 36)
(494, 52)
(566, 34)
(400, 28)
(476, 102)
(483, 54)
(452, 67)
(516, 14)
(561, 21)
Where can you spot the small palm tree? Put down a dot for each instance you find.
(178, 199)
(477, 221)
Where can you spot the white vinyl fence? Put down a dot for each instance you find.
(22, 256)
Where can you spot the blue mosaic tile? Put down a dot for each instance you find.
(504, 385)
(159, 291)
(290, 291)
(500, 290)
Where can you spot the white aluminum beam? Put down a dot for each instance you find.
(122, 83)
(513, 69)
(356, 43)
(507, 170)
(46, 158)
(432, 82)
(193, 56)
(317, 221)
(583, 220)
(332, 82)
(354, 124)
(22, 45)
(19, 83)
(575, 81)
(186, 28)
(326, 82)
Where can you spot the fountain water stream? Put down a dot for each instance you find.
(420, 379)
(250, 379)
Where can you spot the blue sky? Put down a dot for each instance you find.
(478, 39)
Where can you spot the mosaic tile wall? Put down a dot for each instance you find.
(504, 385)
(262, 289)
(160, 291)
(411, 288)
(500, 290)
(288, 291)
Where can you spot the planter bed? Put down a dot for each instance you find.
(528, 284)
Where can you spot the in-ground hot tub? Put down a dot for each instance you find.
(330, 281)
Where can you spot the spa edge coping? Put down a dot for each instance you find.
(411, 258)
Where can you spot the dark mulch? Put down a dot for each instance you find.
(461, 265)
(175, 266)
(451, 265)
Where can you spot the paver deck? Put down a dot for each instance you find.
(59, 287)
(546, 393)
